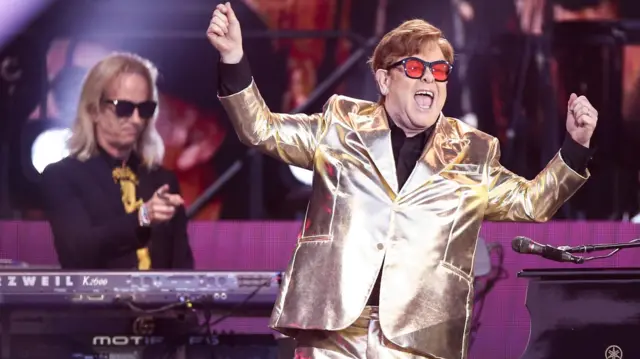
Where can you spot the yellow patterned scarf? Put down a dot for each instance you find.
(128, 182)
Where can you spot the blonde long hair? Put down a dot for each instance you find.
(82, 143)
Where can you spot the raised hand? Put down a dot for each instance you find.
(225, 35)
(582, 118)
(162, 206)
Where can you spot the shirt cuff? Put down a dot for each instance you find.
(233, 78)
(575, 155)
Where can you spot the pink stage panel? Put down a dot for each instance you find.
(504, 328)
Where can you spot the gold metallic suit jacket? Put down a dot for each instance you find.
(357, 217)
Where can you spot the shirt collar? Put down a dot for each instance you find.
(422, 137)
(132, 162)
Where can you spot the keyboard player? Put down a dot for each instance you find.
(110, 203)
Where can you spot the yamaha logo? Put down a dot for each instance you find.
(613, 352)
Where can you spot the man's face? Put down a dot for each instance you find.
(414, 104)
(116, 124)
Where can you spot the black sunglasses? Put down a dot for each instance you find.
(415, 68)
(125, 109)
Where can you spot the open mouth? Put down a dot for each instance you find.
(424, 99)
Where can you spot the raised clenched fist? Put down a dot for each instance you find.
(225, 35)
(582, 119)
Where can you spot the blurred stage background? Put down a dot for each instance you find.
(517, 62)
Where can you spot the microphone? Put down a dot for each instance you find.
(524, 245)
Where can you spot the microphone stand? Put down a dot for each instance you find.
(599, 247)
(208, 194)
(614, 247)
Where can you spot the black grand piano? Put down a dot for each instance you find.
(583, 313)
(586, 313)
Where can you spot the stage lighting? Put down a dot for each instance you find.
(40, 143)
(49, 147)
(302, 175)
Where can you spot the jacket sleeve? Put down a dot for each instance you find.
(514, 198)
(290, 138)
(78, 243)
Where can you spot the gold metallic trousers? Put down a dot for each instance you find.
(362, 340)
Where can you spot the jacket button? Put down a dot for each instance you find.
(380, 246)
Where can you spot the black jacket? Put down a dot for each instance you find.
(90, 227)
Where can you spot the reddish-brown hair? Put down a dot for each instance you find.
(406, 40)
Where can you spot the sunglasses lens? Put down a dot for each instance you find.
(124, 109)
(440, 71)
(414, 69)
(147, 109)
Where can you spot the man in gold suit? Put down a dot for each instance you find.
(383, 267)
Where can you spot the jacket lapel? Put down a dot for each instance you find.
(99, 169)
(373, 130)
(443, 148)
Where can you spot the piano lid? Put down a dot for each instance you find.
(583, 313)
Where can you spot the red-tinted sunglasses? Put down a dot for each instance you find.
(125, 109)
(415, 68)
